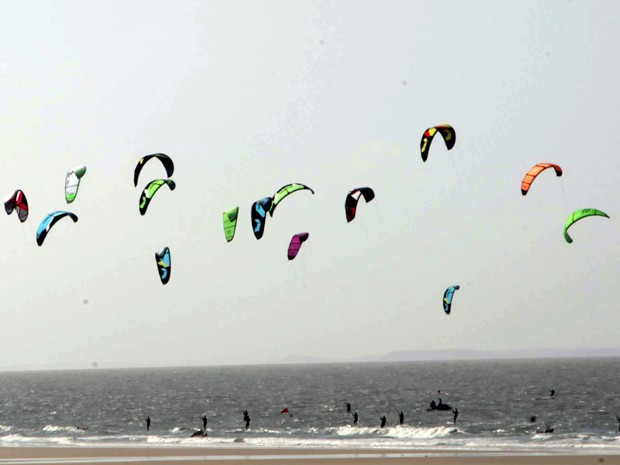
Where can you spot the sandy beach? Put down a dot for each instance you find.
(169, 455)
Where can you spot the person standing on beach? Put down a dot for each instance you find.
(204, 423)
(456, 414)
(383, 421)
(348, 408)
(246, 419)
(401, 418)
(355, 419)
(148, 423)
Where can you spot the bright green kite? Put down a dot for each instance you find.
(579, 215)
(284, 191)
(230, 223)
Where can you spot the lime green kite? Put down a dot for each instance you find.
(230, 223)
(579, 215)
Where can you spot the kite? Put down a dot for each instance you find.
(162, 157)
(446, 131)
(150, 190)
(164, 265)
(72, 182)
(49, 221)
(259, 215)
(230, 223)
(284, 191)
(17, 201)
(295, 244)
(350, 203)
(534, 172)
(447, 298)
(579, 215)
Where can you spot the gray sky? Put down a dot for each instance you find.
(249, 96)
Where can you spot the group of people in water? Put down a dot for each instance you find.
(383, 420)
(401, 415)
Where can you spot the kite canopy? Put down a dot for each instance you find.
(285, 191)
(164, 265)
(259, 215)
(447, 132)
(162, 157)
(17, 201)
(579, 215)
(72, 182)
(350, 203)
(150, 190)
(295, 244)
(230, 223)
(447, 298)
(534, 172)
(49, 221)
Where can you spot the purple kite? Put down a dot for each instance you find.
(295, 245)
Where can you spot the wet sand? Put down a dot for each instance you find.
(231, 456)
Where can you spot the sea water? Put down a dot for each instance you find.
(496, 400)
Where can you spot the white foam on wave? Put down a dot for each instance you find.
(400, 432)
(55, 428)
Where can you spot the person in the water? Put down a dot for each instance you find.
(383, 421)
(246, 419)
(401, 418)
(355, 419)
(456, 414)
(148, 423)
(552, 393)
(433, 405)
(618, 418)
(348, 408)
(204, 423)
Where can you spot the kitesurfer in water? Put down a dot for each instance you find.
(348, 408)
(355, 419)
(204, 423)
(148, 423)
(246, 419)
(456, 414)
(401, 418)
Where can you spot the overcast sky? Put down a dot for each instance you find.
(249, 96)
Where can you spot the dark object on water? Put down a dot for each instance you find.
(199, 434)
(401, 418)
(355, 419)
(533, 419)
(440, 406)
(456, 413)
(548, 429)
(383, 421)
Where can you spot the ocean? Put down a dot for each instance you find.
(496, 400)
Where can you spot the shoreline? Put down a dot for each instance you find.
(65, 455)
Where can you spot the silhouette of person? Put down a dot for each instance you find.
(148, 423)
(204, 423)
(433, 405)
(246, 419)
(401, 418)
(349, 408)
(456, 414)
(552, 393)
(383, 421)
(355, 419)
(440, 403)
(618, 418)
